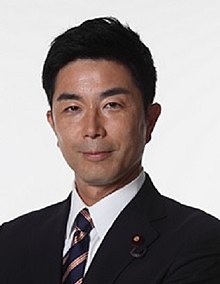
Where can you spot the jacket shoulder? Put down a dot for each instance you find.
(190, 226)
(22, 224)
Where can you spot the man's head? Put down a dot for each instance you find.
(102, 38)
(100, 82)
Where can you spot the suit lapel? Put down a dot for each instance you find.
(46, 250)
(119, 248)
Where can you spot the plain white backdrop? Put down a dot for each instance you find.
(183, 157)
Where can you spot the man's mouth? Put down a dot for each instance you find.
(97, 155)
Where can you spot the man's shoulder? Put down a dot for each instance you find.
(172, 212)
(182, 209)
(37, 234)
(190, 220)
(34, 219)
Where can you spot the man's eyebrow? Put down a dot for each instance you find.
(115, 91)
(108, 93)
(66, 97)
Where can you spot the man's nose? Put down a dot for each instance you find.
(93, 125)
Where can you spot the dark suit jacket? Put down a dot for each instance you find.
(178, 244)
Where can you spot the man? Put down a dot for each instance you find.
(100, 82)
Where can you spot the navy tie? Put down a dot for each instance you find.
(75, 260)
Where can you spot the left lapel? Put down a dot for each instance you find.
(119, 248)
(46, 244)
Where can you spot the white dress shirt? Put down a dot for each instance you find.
(103, 214)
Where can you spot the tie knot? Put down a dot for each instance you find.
(84, 221)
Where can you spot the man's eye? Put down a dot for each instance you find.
(113, 105)
(71, 109)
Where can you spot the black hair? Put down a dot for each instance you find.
(102, 38)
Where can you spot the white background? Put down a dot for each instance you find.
(183, 158)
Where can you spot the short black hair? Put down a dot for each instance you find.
(102, 38)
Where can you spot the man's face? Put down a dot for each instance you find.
(100, 123)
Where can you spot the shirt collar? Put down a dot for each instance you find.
(105, 211)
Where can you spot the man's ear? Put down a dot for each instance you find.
(153, 112)
(50, 119)
(51, 122)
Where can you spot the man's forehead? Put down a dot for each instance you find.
(106, 77)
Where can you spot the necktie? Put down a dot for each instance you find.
(75, 260)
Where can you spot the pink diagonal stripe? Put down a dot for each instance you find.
(78, 238)
(79, 281)
(75, 241)
(73, 264)
(86, 214)
(65, 258)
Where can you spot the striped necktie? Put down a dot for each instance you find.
(75, 260)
